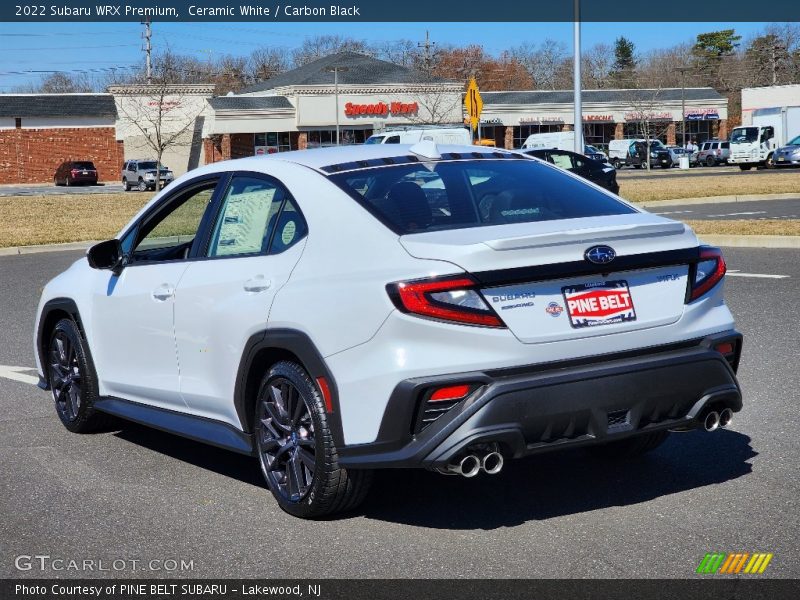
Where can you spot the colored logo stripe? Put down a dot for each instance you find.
(732, 564)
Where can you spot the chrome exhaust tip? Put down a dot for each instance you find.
(711, 421)
(725, 417)
(469, 466)
(492, 463)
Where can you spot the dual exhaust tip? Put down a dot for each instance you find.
(713, 420)
(471, 464)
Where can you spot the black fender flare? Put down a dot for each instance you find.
(61, 305)
(281, 344)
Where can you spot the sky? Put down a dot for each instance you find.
(26, 48)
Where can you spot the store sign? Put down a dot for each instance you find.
(551, 120)
(494, 121)
(702, 114)
(601, 118)
(648, 116)
(381, 109)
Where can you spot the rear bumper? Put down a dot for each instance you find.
(534, 409)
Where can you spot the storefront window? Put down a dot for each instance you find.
(699, 131)
(320, 138)
(272, 142)
(656, 129)
(598, 134)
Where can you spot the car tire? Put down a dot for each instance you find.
(769, 163)
(745, 167)
(125, 185)
(633, 446)
(711, 161)
(142, 187)
(55, 181)
(73, 381)
(295, 447)
(67, 182)
(616, 164)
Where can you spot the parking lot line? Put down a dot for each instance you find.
(17, 374)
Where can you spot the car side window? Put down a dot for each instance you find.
(290, 228)
(561, 160)
(170, 233)
(248, 217)
(394, 139)
(132, 166)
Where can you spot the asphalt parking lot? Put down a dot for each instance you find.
(631, 173)
(137, 494)
(759, 210)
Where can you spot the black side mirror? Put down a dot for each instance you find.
(105, 255)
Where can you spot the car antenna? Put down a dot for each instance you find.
(426, 149)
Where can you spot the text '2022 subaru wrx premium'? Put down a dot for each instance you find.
(341, 310)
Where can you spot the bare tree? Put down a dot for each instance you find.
(60, 83)
(323, 45)
(161, 113)
(544, 63)
(650, 122)
(264, 63)
(596, 65)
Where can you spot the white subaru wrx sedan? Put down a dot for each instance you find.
(341, 310)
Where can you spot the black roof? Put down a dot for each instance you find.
(361, 70)
(249, 102)
(621, 96)
(57, 105)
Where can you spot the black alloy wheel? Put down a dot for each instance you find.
(286, 445)
(66, 378)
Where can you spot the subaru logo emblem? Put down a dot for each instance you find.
(600, 255)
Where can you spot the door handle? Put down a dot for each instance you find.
(163, 292)
(257, 284)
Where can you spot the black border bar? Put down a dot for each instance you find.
(408, 11)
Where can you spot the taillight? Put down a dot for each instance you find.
(707, 272)
(454, 299)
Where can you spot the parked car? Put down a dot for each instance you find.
(141, 174)
(75, 172)
(595, 153)
(676, 152)
(634, 153)
(340, 310)
(603, 174)
(713, 152)
(788, 155)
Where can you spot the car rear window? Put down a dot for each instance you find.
(82, 165)
(419, 197)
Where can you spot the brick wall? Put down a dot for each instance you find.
(32, 155)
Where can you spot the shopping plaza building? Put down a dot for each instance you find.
(301, 108)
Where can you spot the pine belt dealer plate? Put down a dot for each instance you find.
(593, 304)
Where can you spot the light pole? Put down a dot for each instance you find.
(682, 71)
(336, 70)
(576, 84)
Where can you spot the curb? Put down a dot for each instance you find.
(15, 250)
(791, 242)
(717, 199)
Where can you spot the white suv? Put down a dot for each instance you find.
(340, 310)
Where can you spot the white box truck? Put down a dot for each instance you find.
(754, 145)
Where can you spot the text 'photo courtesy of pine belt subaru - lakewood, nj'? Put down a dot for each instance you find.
(341, 310)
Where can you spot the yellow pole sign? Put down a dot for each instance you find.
(473, 103)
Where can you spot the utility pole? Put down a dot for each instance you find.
(427, 54)
(148, 48)
(682, 71)
(576, 84)
(336, 70)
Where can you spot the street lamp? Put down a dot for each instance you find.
(682, 71)
(336, 70)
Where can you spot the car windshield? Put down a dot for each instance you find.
(794, 142)
(82, 165)
(374, 139)
(744, 134)
(416, 198)
(146, 165)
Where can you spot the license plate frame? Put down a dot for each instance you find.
(596, 304)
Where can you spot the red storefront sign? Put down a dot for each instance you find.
(381, 109)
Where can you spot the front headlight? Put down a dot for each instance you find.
(795, 152)
(149, 176)
(653, 155)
